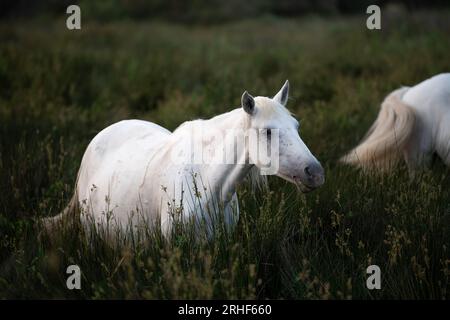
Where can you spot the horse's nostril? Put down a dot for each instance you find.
(308, 172)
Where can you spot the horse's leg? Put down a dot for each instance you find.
(231, 212)
(443, 142)
(166, 221)
(445, 155)
(418, 151)
(417, 159)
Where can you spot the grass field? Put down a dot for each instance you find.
(59, 88)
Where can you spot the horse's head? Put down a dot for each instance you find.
(296, 163)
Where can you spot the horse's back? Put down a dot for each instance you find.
(113, 146)
(431, 101)
(431, 93)
(117, 134)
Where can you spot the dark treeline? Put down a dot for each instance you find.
(197, 11)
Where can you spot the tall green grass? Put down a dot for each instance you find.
(59, 88)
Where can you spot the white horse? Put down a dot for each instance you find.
(128, 173)
(413, 124)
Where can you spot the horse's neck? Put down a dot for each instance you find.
(227, 176)
(223, 178)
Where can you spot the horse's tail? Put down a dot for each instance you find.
(67, 216)
(382, 145)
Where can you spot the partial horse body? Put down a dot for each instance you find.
(413, 124)
(129, 174)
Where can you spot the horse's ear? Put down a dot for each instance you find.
(248, 103)
(283, 94)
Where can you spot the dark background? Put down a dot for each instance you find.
(199, 11)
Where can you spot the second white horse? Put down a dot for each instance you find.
(413, 124)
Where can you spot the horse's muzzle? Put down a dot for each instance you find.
(311, 177)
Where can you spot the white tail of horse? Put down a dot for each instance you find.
(66, 217)
(382, 146)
